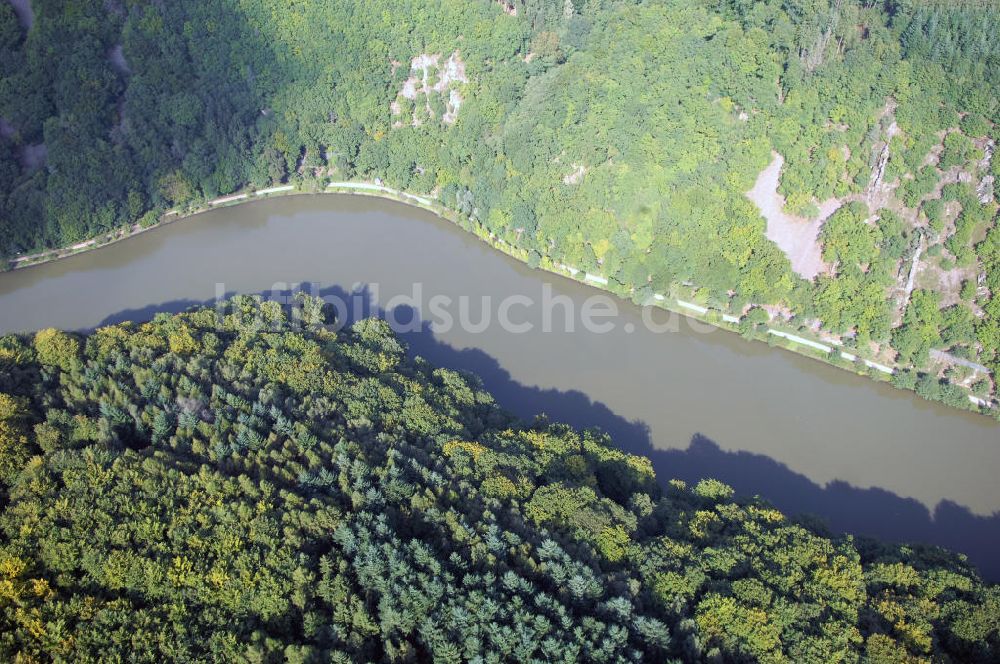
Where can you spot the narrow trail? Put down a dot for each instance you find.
(908, 291)
(944, 356)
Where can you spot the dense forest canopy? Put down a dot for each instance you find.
(617, 136)
(243, 488)
(240, 484)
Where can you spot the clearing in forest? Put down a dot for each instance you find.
(797, 236)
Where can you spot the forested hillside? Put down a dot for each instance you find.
(227, 485)
(616, 136)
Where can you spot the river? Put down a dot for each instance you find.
(809, 438)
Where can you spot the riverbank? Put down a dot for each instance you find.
(171, 216)
(770, 333)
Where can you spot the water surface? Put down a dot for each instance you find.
(808, 437)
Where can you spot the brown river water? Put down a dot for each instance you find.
(807, 437)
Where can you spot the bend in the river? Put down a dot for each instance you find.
(808, 437)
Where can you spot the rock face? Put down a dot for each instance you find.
(579, 170)
(986, 189)
(432, 80)
(878, 174)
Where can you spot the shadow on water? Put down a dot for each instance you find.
(843, 508)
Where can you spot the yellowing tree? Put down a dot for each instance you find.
(14, 444)
(57, 349)
(181, 341)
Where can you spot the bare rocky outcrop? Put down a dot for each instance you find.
(430, 77)
(989, 148)
(878, 173)
(574, 178)
(986, 189)
(912, 276)
(878, 192)
(508, 7)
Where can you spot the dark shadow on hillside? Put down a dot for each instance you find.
(844, 508)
